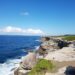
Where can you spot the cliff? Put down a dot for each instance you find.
(53, 49)
(26, 65)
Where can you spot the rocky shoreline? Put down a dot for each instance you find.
(54, 49)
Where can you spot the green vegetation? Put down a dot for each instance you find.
(69, 38)
(42, 67)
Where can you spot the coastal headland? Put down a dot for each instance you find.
(55, 56)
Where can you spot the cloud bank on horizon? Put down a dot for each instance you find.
(20, 31)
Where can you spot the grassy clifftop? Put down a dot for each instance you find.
(69, 38)
(42, 67)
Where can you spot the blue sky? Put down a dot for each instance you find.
(33, 17)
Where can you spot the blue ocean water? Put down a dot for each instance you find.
(12, 49)
(16, 46)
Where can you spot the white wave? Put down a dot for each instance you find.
(37, 47)
(37, 40)
(8, 67)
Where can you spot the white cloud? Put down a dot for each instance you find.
(10, 29)
(25, 13)
(35, 31)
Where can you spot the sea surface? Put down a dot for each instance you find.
(13, 48)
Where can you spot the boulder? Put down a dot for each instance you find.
(70, 70)
(28, 61)
(19, 71)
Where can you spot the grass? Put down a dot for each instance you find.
(42, 67)
(69, 38)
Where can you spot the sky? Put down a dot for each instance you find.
(37, 17)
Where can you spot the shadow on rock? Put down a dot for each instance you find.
(70, 70)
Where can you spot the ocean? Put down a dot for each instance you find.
(13, 48)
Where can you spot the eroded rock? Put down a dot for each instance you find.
(28, 62)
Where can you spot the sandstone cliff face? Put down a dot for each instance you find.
(28, 62)
(51, 44)
(21, 71)
(48, 45)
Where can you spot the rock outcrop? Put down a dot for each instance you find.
(28, 62)
(64, 54)
(50, 44)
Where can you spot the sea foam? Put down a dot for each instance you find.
(8, 67)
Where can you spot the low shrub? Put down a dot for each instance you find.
(42, 67)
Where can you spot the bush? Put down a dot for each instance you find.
(42, 67)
